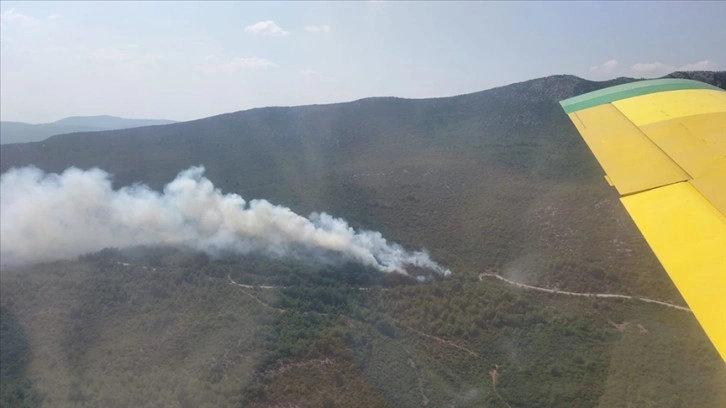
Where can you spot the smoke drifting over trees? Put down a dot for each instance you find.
(51, 216)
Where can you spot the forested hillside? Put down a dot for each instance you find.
(496, 182)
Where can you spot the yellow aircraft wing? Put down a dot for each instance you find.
(662, 144)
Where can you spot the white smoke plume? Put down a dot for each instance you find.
(49, 216)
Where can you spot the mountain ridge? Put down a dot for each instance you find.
(21, 132)
(579, 85)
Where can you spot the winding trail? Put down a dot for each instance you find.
(580, 294)
(440, 340)
(242, 285)
(260, 301)
(421, 387)
(493, 373)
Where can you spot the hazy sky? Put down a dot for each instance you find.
(187, 60)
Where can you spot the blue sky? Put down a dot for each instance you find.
(187, 60)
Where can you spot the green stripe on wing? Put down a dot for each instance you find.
(616, 93)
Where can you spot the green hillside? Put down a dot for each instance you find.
(497, 181)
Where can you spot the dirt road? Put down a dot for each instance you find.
(580, 294)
